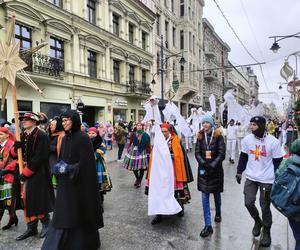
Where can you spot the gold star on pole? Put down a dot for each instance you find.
(10, 61)
(11, 65)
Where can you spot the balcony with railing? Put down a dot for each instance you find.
(210, 54)
(135, 87)
(43, 64)
(210, 75)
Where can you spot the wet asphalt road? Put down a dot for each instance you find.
(127, 225)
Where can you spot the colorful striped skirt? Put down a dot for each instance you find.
(135, 160)
(5, 190)
(103, 178)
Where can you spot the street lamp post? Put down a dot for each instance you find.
(275, 46)
(161, 103)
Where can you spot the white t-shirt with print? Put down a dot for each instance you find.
(260, 166)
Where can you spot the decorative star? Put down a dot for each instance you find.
(10, 61)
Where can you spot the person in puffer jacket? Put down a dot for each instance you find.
(210, 153)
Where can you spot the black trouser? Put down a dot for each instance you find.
(120, 150)
(250, 191)
(139, 174)
(10, 208)
(2, 209)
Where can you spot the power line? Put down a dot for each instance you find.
(241, 42)
(257, 44)
(234, 32)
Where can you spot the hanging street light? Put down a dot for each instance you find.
(275, 47)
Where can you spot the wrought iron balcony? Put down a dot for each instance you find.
(138, 87)
(43, 64)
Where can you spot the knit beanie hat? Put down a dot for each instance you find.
(93, 129)
(261, 123)
(295, 147)
(208, 119)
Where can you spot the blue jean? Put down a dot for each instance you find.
(120, 151)
(108, 143)
(295, 226)
(206, 206)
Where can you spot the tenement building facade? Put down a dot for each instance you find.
(99, 52)
(215, 76)
(178, 35)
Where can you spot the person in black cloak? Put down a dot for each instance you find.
(78, 211)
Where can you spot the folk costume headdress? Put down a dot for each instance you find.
(31, 116)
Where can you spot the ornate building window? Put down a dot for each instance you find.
(55, 64)
(182, 73)
(116, 66)
(172, 6)
(23, 35)
(58, 3)
(157, 24)
(181, 8)
(174, 37)
(158, 63)
(167, 33)
(131, 73)
(144, 40)
(116, 26)
(144, 76)
(91, 9)
(92, 63)
(130, 33)
(181, 39)
(56, 48)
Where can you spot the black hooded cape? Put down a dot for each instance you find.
(78, 211)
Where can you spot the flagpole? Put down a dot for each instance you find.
(18, 137)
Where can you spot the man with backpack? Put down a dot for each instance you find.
(285, 194)
(260, 156)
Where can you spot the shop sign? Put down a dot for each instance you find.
(197, 99)
(121, 103)
(80, 106)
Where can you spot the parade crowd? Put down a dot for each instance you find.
(63, 185)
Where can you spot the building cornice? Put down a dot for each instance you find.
(144, 8)
(213, 32)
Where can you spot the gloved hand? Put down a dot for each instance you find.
(209, 169)
(18, 144)
(238, 178)
(23, 178)
(60, 168)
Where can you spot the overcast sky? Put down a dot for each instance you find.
(266, 18)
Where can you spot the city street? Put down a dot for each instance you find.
(127, 225)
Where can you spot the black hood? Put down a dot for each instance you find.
(75, 118)
(261, 123)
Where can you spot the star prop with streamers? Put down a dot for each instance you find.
(10, 62)
(11, 65)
